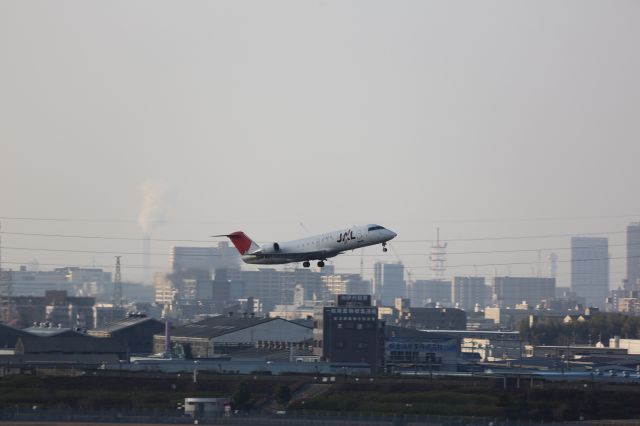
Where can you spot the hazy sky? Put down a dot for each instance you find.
(487, 118)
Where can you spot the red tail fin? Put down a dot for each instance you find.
(241, 241)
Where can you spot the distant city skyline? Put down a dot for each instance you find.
(176, 122)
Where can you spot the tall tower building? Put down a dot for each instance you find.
(466, 292)
(590, 269)
(389, 282)
(633, 257)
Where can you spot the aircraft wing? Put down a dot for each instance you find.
(306, 255)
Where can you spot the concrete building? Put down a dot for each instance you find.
(413, 350)
(351, 332)
(336, 284)
(590, 269)
(486, 345)
(222, 334)
(73, 280)
(185, 259)
(55, 307)
(388, 282)
(435, 319)
(467, 292)
(632, 282)
(206, 407)
(70, 348)
(430, 292)
(165, 291)
(510, 291)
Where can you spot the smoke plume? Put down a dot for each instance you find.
(153, 211)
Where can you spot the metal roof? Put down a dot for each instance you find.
(220, 325)
(69, 344)
(122, 324)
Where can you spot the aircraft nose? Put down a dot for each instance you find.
(392, 234)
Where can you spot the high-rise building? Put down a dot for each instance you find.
(633, 257)
(389, 282)
(186, 259)
(430, 292)
(510, 291)
(466, 292)
(590, 269)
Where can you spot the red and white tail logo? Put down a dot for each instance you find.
(243, 243)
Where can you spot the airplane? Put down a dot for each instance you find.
(318, 247)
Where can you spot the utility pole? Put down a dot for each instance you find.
(117, 285)
(6, 289)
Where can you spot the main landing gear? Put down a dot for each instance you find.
(384, 247)
(306, 264)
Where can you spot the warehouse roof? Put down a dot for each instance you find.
(220, 325)
(69, 344)
(123, 324)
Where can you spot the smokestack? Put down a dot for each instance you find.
(152, 214)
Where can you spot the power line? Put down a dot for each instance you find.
(517, 237)
(372, 268)
(114, 252)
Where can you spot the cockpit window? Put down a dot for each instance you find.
(375, 228)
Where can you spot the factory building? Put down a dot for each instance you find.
(136, 331)
(227, 333)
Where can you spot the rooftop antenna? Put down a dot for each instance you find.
(438, 257)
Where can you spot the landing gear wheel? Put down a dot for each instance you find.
(306, 264)
(384, 249)
(320, 264)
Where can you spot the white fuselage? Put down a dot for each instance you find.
(319, 247)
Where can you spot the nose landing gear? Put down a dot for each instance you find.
(384, 247)
(320, 263)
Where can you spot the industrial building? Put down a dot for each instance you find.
(67, 348)
(55, 307)
(434, 318)
(227, 333)
(135, 331)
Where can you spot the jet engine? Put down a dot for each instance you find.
(271, 248)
